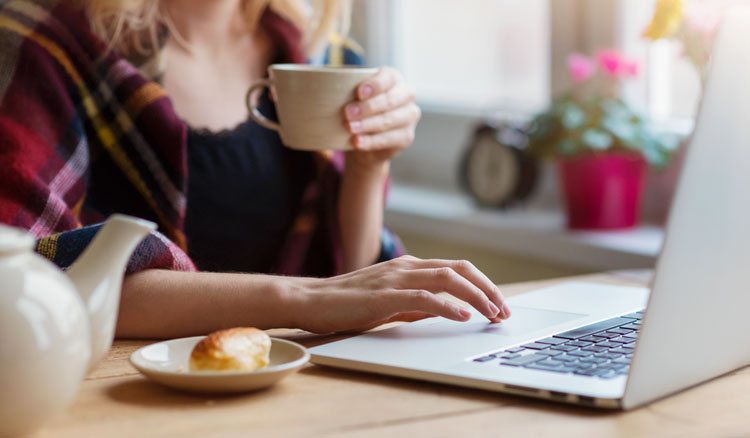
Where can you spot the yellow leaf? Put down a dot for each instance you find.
(666, 21)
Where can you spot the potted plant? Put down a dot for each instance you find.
(603, 147)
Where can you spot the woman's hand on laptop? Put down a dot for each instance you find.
(402, 289)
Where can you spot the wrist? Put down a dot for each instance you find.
(293, 294)
(366, 168)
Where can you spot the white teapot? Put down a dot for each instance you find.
(55, 327)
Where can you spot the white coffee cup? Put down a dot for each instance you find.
(310, 104)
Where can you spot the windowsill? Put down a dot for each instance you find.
(679, 126)
(526, 233)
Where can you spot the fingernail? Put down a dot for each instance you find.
(506, 311)
(355, 127)
(361, 142)
(465, 314)
(494, 310)
(365, 91)
(352, 110)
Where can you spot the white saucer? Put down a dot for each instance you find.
(167, 363)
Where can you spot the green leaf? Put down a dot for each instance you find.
(656, 158)
(573, 117)
(567, 147)
(597, 139)
(671, 143)
(577, 124)
(624, 131)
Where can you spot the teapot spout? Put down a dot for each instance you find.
(98, 274)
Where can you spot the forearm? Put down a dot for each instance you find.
(361, 213)
(169, 304)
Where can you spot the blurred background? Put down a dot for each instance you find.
(499, 64)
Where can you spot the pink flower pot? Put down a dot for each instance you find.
(603, 191)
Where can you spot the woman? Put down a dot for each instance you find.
(84, 134)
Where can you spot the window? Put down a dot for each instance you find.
(470, 55)
(479, 59)
(486, 53)
(496, 54)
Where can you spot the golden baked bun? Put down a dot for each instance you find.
(236, 349)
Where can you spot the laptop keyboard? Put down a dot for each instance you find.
(603, 349)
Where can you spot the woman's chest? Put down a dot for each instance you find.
(208, 90)
(244, 191)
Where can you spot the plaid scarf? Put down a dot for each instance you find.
(83, 135)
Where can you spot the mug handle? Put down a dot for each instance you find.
(254, 112)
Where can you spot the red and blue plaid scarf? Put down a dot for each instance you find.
(83, 134)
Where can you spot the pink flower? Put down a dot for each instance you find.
(615, 65)
(610, 62)
(630, 68)
(580, 67)
(705, 16)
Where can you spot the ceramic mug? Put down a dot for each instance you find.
(310, 104)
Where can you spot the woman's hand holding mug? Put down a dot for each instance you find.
(383, 119)
(378, 124)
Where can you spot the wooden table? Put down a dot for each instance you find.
(116, 401)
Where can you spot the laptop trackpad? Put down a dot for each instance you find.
(523, 320)
(527, 320)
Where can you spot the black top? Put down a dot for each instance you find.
(244, 191)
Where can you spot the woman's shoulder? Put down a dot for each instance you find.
(50, 18)
(35, 30)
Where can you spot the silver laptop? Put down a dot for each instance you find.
(595, 344)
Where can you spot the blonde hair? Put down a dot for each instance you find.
(132, 26)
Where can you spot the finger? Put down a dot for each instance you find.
(388, 121)
(385, 79)
(407, 301)
(404, 259)
(474, 275)
(410, 317)
(471, 273)
(393, 98)
(397, 138)
(445, 279)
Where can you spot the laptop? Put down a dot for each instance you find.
(609, 346)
